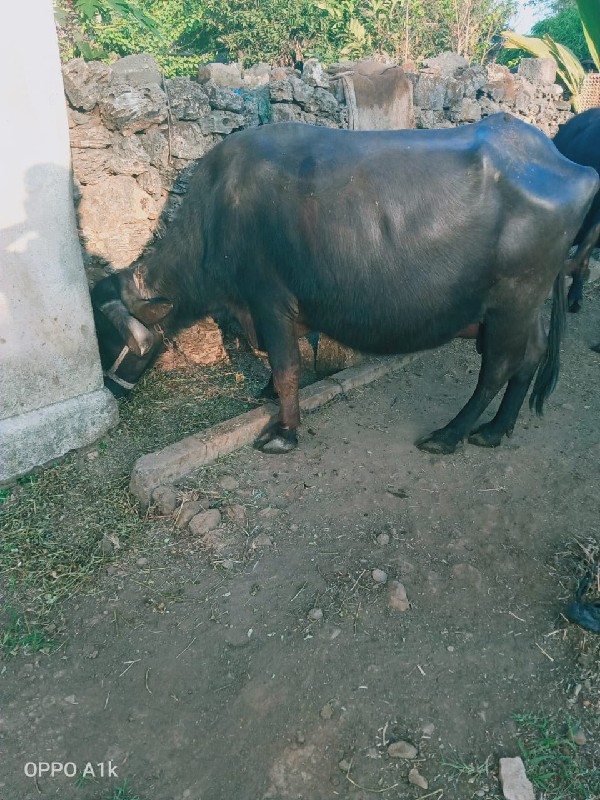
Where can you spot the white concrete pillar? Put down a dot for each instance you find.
(52, 397)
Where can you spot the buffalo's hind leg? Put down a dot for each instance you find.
(491, 433)
(504, 342)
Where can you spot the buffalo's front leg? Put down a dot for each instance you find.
(284, 357)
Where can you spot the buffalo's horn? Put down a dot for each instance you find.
(137, 336)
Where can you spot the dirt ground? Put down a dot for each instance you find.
(263, 659)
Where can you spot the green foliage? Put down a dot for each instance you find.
(182, 33)
(564, 27)
(590, 18)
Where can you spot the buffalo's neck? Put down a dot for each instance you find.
(174, 271)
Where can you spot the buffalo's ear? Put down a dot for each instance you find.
(151, 311)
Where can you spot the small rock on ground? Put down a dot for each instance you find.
(187, 512)
(383, 539)
(236, 514)
(379, 575)
(206, 521)
(229, 483)
(397, 598)
(327, 711)
(316, 614)
(402, 750)
(164, 499)
(514, 781)
(262, 540)
(415, 777)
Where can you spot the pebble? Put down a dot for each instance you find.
(383, 538)
(316, 614)
(345, 765)
(188, 511)
(236, 514)
(379, 576)
(141, 562)
(300, 737)
(107, 546)
(326, 712)
(578, 737)
(165, 499)
(228, 563)
(269, 512)
(402, 750)
(229, 483)
(397, 598)
(415, 777)
(262, 540)
(428, 729)
(205, 521)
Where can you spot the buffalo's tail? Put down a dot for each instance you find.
(547, 373)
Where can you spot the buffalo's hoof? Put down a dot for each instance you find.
(575, 307)
(485, 437)
(596, 348)
(279, 445)
(438, 443)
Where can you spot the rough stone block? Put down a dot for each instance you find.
(221, 122)
(187, 99)
(157, 147)
(92, 135)
(140, 69)
(281, 91)
(257, 75)
(466, 110)
(115, 216)
(302, 92)
(224, 99)
(286, 112)
(89, 166)
(446, 64)
(314, 75)
(538, 70)
(189, 140)
(228, 75)
(131, 109)
(128, 157)
(429, 92)
(85, 83)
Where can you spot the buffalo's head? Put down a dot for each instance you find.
(127, 328)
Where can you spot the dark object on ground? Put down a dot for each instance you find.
(586, 615)
(386, 241)
(579, 140)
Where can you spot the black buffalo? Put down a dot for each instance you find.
(579, 140)
(387, 241)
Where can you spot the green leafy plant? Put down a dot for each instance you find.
(590, 19)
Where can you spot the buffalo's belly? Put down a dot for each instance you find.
(406, 331)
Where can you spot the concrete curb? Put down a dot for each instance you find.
(177, 460)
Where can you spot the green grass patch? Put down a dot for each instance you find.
(53, 523)
(559, 768)
(122, 792)
(18, 634)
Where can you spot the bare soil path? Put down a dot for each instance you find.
(264, 660)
